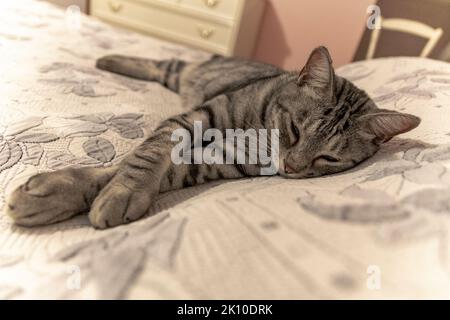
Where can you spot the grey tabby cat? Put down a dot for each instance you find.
(326, 125)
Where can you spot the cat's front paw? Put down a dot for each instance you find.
(56, 196)
(47, 198)
(118, 204)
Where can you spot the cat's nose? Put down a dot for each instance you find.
(288, 169)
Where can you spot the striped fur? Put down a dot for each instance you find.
(326, 125)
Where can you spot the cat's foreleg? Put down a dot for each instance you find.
(128, 196)
(188, 175)
(55, 196)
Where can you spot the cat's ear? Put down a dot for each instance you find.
(318, 71)
(385, 124)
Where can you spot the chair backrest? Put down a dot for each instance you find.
(408, 26)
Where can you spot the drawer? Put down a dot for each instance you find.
(165, 23)
(226, 8)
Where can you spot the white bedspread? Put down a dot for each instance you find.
(380, 230)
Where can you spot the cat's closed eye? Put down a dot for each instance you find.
(325, 160)
(295, 133)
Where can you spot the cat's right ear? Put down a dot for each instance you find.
(318, 73)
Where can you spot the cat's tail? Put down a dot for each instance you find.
(166, 72)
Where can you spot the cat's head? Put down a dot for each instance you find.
(327, 124)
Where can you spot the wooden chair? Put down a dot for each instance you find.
(408, 26)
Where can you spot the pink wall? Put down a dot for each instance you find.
(292, 28)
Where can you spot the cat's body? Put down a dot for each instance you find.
(326, 125)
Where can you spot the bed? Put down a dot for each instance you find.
(380, 230)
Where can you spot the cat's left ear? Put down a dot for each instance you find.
(318, 73)
(385, 124)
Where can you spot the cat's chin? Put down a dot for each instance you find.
(302, 175)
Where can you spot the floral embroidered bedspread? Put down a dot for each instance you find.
(380, 230)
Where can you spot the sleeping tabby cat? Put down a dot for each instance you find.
(326, 125)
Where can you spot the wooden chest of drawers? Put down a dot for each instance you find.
(228, 27)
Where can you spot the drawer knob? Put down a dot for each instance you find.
(115, 6)
(206, 33)
(211, 3)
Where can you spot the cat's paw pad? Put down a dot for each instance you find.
(46, 198)
(118, 204)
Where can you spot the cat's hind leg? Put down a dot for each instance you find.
(166, 72)
(55, 196)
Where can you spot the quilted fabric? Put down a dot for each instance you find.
(380, 230)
